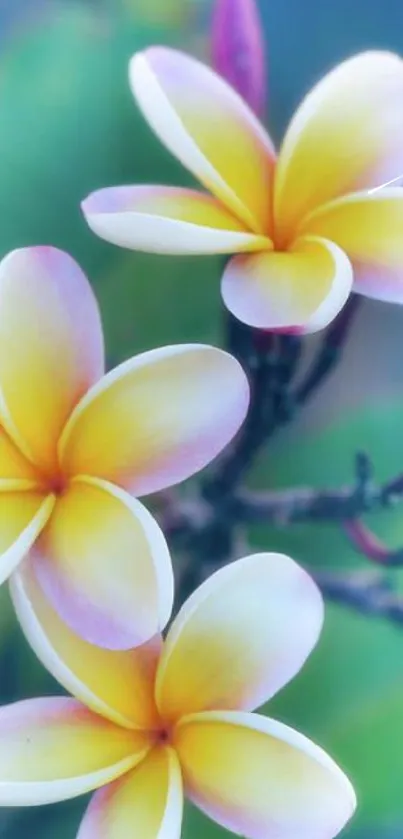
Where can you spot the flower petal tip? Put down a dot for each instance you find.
(106, 200)
(92, 204)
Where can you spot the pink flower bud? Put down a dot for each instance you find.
(238, 51)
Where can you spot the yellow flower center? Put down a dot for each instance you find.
(52, 481)
(164, 736)
(57, 484)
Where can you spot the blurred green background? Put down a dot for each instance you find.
(68, 125)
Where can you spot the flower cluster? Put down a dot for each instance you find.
(153, 719)
(308, 224)
(77, 447)
(174, 715)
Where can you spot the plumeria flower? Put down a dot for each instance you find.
(304, 225)
(170, 717)
(77, 446)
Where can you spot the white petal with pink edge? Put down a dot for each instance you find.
(53, 749)
(157, 418)
(300, 290)
(209, 128)
(369, 228)
(167, 220)
(253, 624)
(116, 685)
(260, 778)
(51, 347)
(104, 564)
(346, 135)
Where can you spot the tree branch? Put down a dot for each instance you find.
(306, 504)
(271, 360)
(204, 527)
(369, 595)
(282, 507)
(192, 521)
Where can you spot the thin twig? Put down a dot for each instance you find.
(369, 595)
(368, 544)
(194, 525)
(304, 504)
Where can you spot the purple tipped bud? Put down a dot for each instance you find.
(238, 50)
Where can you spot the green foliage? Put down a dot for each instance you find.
(349, 696)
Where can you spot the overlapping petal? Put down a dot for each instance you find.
(301, 289)
(105, 566)
(209, 128)
(347, 135)
(260, 778)
(23, 515)
(169, 220)
(158, 418)
(51, 347)
(54, 749)
(369, 228)
(117, 685)
(16, 472)
(146, 803)
(253, 623)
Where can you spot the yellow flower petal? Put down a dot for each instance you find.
(163, 219)
(209, 128)
(260, 778)
(369, 228)
(23, 515)
(15, 471)
(346, 135)
(147, 803)
(300, 290)
(51, 347)
(158, 418)
(53, 749)
(116, 685)
(105, 566)
(253, 623)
